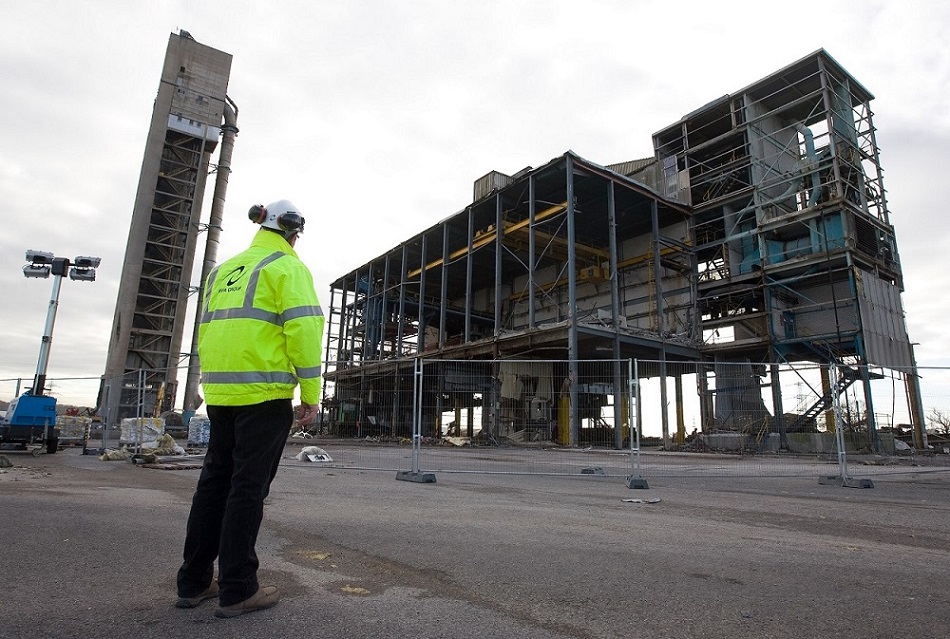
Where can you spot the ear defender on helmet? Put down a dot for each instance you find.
(290, 222)
(257, 214)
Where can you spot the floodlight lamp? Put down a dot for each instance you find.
(82, 274)
(38, 257)
(86, 261)
(31, 270)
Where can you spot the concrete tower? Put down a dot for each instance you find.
(141, 375)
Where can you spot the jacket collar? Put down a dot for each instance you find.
(273, 241)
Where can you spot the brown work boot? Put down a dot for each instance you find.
(190, 602)
(265, 597)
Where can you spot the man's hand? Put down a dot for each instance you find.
(308, 413)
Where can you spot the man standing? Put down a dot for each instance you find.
(260, 335)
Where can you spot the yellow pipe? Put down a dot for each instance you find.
(564, 420)
(490, 236)
(646, 257)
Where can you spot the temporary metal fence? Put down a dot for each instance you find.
(630, 420)
(687, 419)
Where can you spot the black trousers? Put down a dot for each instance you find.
(244, 452)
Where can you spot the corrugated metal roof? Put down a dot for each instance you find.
(630, 167)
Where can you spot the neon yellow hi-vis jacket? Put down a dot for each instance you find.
(261, 327)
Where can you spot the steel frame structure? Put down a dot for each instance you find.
(797, 256)
(761, 219)
(570, 261)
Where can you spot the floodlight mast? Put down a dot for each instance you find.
(31, 417)
(39, 381)
(41, 265)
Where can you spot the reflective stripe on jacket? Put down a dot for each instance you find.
(261, 327)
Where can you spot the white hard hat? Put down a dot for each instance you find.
(281, 215)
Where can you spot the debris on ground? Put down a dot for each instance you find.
(177, 464)
(593, 470)
(111, 454)
(314, 454)
(652, 500)
(164, 445)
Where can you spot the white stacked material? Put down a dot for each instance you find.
(199, 430)
(141, 430)
(72, 426)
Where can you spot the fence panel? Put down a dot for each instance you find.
(779, 420)
(935, 405)
(525, 416)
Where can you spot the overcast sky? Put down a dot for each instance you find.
(375, 118)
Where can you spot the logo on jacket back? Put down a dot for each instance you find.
(232, 278)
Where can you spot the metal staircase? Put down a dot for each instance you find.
(846, 378)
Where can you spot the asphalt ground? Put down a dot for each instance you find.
(90, 549)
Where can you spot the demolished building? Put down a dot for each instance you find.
(757, 234)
